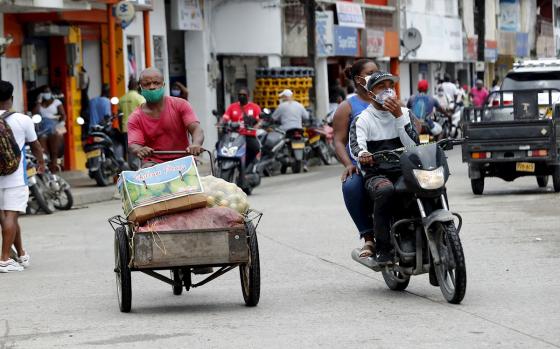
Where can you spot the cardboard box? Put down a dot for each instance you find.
(173, 186)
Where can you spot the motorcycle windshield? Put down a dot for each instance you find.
(424, 157)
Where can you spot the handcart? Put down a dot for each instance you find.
(181, 251)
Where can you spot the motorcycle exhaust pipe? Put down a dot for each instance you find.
(278, 146)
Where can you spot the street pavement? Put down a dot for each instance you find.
(313, 294)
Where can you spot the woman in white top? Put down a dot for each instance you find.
(53, 114)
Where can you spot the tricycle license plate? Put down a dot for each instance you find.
(525, 167)
(93, 154)
(298, 145)
(32, 171)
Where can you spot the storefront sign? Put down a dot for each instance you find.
(324, 33)
(522, 45)
(442, 37)
(345, 41)
(186, 15)
(124, 11)
(490, 51)
(509, 15)
(349, 15)
(506, 43)
(472, 49)
(375, 43)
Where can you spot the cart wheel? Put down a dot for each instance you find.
(122, 271)
(178, 283)
(250, 273)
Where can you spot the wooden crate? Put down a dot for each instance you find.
(190, 248)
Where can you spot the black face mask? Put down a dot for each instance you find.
(242, 99)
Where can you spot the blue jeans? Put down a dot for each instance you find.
(358, 203)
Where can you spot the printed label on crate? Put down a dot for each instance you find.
(159, 183)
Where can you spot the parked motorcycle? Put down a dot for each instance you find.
(47, 191)
(104, 153)
(273, 143)
(294, 153)
(423, 233)
(231, 159)
(320, 136)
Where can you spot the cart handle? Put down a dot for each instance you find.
(184, 152)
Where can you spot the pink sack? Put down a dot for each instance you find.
(200, 218)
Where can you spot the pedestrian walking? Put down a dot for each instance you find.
(15, 130)
(128, 103)
(478, 94)
(100, 107)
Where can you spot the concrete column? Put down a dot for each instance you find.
(200, 68)
(274, 61)
(321, 87)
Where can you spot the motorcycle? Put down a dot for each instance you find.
(294, 153)
(423, 232)
(273, 144)
(103, 152)
(320, 136)
(47, 191)
(231, 153)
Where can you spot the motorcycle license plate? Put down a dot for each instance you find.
(525, 167)
(314, 139)
(93, 154)
(424, 138)
(31, 171)
(298, 145)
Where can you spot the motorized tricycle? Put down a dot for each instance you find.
(516, 135)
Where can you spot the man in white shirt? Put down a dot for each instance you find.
(449, 88)
(14, 192)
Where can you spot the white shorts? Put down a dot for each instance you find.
(14, 199)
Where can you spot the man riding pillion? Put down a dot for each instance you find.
(248, 115)
(162, 123)
(384, 125)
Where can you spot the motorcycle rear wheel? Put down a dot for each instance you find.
(297, 165)
(451, 273)
(324, 153)
(395, 281)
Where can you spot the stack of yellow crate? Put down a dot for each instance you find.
(272, 81)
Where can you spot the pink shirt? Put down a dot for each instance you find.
(479, 96)
(167, 132)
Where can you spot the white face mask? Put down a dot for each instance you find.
(47, 96)
(382, 97)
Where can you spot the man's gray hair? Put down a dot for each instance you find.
(150, 70)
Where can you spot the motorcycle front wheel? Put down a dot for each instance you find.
(39, 192)
(451, 273)
(324, 153)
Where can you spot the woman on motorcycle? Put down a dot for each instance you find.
(51, 128)
(355, 197)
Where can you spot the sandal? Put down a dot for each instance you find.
(368, 250)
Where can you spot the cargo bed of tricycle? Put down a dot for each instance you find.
(516, 134)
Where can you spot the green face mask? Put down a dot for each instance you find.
(153, 96)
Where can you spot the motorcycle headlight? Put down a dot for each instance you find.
(229, 151)
(430, 180)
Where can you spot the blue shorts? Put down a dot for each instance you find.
(47, 127)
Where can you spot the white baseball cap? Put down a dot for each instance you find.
(286, 93)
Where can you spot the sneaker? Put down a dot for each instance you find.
(384, 257)
(10, 266)
(24, 260)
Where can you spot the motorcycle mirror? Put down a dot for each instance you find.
(115, 100)
(80, 121)
(36, 118)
